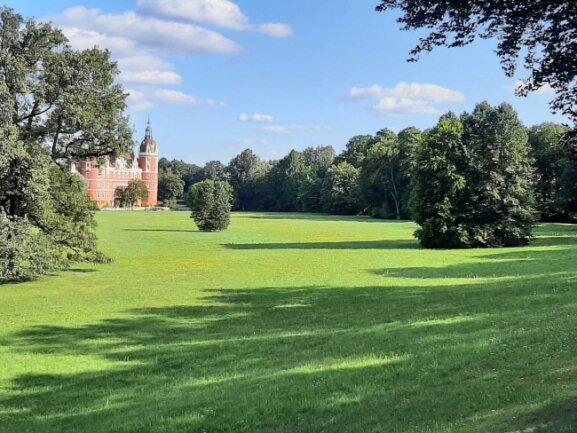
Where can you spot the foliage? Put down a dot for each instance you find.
(356, 150)
(130, 194)
(244, 172)
(211, 203)
(472, 184)
(438, 185)
(539, 30)
(214, 170)
(385, 176)
(56, 105)
(340, 192)
(170, 187)
(555, 171)
(319, 158)
(189, 173)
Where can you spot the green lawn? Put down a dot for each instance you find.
(293, 323)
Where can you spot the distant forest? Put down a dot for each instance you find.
(374, 175)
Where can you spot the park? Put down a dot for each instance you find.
(265, 217)
(293, 322)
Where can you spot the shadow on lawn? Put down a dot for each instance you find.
(316, 217)
(485, 357)
(345, 245)
(162, 230)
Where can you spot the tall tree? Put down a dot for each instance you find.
(438, 185)
(340, 190)
(553, 164)
(131, 193)
(385, 176)
(56, 105)
(244, 171)
(542, 31)
(215, 170)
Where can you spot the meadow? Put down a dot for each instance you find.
(293, 323)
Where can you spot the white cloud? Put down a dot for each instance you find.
(407, 98)
(151, 77)
(144, 33)
(276, 30)
(176, 97)
(220, 13)
(257, 117)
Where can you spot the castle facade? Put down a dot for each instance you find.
(102, 180)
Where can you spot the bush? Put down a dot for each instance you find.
(210, 202)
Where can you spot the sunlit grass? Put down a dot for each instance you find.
(293, 323)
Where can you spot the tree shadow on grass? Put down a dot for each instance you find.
(345, 245)
(316, 217)
(309, 359)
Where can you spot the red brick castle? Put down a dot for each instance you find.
(104, 179)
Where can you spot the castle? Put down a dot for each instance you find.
(102, 180)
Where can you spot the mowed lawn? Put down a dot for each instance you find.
(293, 323)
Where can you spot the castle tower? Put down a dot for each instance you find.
(148, 162)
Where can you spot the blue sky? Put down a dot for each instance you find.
(218, 76)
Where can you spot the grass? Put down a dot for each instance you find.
(293, 323)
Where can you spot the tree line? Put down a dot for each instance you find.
(485, 159)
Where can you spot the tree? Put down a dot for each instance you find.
(385, 176)
(356, 149)
(170, 187)
(244, 171)
(211, 202)
(215, 170)
(472, 181)
(189, 173)
(543, 31)
(131, 193)
(56, 105)
(554, 190)
(319, 158)
(438, 185)
(340, 190)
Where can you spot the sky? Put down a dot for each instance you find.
(219, 76)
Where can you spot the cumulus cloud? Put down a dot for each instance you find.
(144, 33)
(220, 13)
(176, 97)
(407, 98)
(257, 117)
(151, 77)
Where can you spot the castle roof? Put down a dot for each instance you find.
(148, 145)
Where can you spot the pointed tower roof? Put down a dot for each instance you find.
(148, 145)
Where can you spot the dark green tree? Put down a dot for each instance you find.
(211, 203)
(472, 181)
(500, 206)
(244, 172)
(319, 158)
(170, 187)
(215, 170)
(340, 192)
(553, 180)
(385, 176)
(438, 185)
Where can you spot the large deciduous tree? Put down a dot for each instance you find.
(542, 31)
(244, 171)
(56, 105)
(170, 187)
(340, 192)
